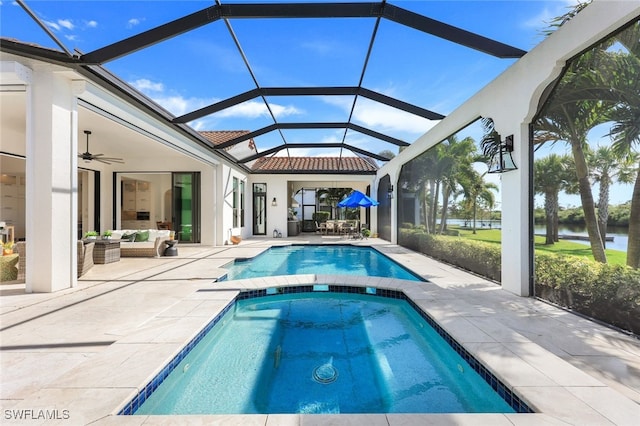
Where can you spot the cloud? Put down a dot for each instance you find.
(71, 37)
(319, 47)
(66, 23)
(146, 85)
(312, 152)
(53, 25)
(133, 22)
(547, 14)
(381, 117)
(91, 24)
(255, 109)
(179, 105)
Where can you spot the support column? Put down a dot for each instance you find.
(51, 184)
(393, 217)
(515, 219)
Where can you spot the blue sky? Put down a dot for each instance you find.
(204, 66)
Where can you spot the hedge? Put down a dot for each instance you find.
(608, 293)
(475, 256)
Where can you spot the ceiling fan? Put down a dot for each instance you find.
(87, 156)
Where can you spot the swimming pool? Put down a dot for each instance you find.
(319, 352)
(319, 259)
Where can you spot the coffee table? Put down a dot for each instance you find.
(106, 251)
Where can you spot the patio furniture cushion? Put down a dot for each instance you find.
(8, 267)
(152, 247)
(142, 236)
(21, 249)
(128, 237)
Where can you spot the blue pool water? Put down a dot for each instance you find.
(319, 259)
(322, 353)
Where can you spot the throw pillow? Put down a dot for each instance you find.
(142, 236)
(129, 237)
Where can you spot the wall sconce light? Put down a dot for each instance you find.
(501, 161)
(390, 191)
(274, 202)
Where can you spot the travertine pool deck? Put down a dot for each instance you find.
(79, 355)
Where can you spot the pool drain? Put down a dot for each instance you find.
(326, 373)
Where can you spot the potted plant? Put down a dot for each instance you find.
(91, 235)
(106, 235)
(7, 248)
(366, 233)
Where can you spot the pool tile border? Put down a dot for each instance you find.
(503, 391)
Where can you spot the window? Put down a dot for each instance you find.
(242, 203)
(235, 202)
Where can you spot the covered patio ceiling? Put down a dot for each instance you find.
(355, 82)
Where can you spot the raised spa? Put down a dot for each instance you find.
(309, 351)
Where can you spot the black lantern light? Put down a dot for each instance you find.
(501, 161)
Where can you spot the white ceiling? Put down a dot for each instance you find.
(107, 136)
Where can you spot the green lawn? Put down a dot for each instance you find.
(614, 257)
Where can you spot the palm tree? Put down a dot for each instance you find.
(476, 189)
(552, 174)
(606, 167)
(332, 196)
(626, 130)
(425, 173)
(617, 83)
(569, 116)
(462, 153)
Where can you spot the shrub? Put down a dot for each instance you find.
(475, 256)
(321, 216)
(609, 293)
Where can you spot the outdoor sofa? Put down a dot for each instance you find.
(141, 242)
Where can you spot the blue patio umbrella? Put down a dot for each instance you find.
(357, 199)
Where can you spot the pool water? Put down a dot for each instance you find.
(319, 259)
(323, 353)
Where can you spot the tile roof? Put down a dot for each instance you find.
(315, 164)
(216, 137)
(298, 164)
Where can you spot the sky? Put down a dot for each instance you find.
(204, 66)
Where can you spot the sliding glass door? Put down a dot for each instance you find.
(186, 206)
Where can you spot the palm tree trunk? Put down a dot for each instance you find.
(446, 192)
(556, 221)
(549, 218)
(588, 206)
(425, 207)
(474, 215)
(434, 212)
(633, 246)
(603, 208)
